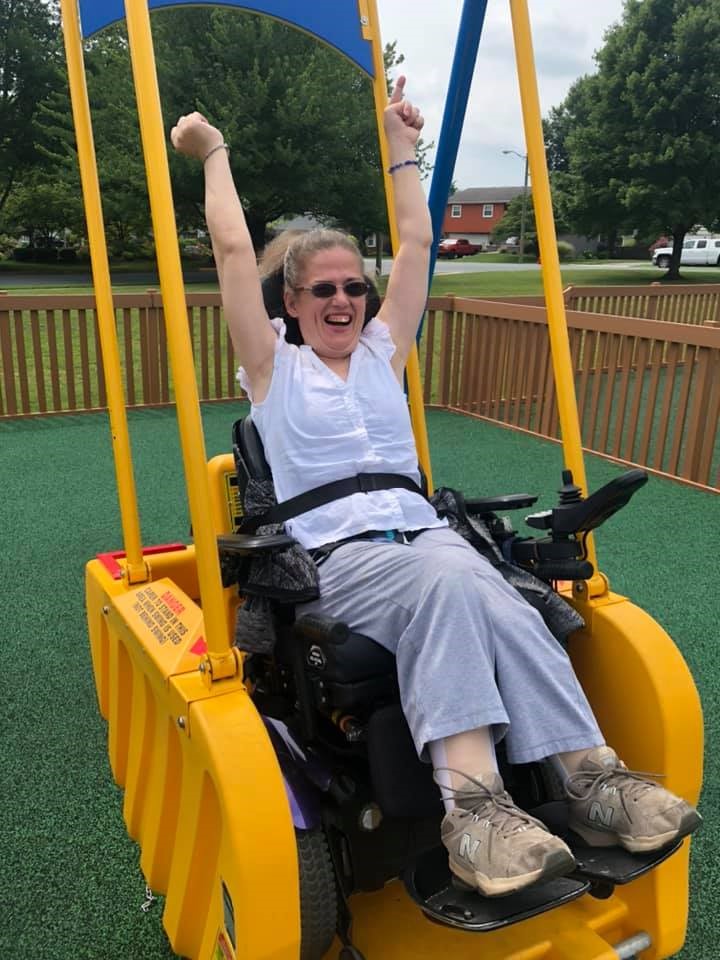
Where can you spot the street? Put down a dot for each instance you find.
(9, 280)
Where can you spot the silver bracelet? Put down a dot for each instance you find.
(220, 146)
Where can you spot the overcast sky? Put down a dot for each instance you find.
(566, 33)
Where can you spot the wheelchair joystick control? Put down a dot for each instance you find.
(569, 492)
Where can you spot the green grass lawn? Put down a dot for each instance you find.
(518, 283)
(492, 283)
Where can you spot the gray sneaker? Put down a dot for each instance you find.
(494, 846)
(612, 805)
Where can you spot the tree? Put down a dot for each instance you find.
(642, 134)
(30, 69)
(584, 164)
(299, 118)
(121, 168)
(510, 225)
(42, 208)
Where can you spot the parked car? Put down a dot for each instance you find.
(696, 251)
(511, 245)
(453, 247)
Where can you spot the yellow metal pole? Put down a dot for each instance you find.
(371, 31)
(552, 280)
(222, 660)
(137, 571)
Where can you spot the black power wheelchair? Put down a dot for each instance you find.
(365, 809)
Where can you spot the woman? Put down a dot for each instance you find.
(476, 664)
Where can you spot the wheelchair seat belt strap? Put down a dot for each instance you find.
(319, 496)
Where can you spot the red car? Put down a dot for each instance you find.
(453, 247)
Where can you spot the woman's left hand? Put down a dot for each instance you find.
(403, 122)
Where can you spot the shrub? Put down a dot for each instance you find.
(45, 255)
(7, 246)
(195, 250)
(566, 251)
(67, 255)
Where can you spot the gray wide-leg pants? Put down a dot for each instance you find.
(470, 651)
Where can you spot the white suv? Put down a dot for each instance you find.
(697, 251)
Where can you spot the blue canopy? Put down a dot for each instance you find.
(336, 22)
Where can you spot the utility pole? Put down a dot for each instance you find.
(523, 214)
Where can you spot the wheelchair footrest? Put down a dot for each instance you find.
(430, 884)
(601, 865)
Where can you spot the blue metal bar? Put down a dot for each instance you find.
(466, 48)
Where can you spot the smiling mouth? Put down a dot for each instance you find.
(339, 321)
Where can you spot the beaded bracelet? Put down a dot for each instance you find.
(403, 163)
(220, 146)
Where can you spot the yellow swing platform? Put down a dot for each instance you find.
(196, 759)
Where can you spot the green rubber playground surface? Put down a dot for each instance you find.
(71, 882)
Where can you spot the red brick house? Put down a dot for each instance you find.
(474, 213)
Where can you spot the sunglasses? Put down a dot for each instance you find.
(324, 289)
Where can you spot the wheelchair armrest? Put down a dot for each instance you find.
(511, 501)
(315, 626)
(246, 545)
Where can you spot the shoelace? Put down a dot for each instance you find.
(580, 785)
(503, 812)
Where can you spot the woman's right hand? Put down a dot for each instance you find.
(194, 136)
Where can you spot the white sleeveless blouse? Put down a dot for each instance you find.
(316, 428)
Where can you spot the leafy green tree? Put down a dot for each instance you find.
(30, 69)
(42, 208)
(642, 134)
(299, 118)
(584, 164)
(116, 137)
(121, 168)
(510, 225)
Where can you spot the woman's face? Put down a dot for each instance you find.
(330, 325)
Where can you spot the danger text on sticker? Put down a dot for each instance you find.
(160, 614)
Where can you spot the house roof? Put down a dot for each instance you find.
(486, 195)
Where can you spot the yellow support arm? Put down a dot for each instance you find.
(222, 660)
(552, 280)
(135, 567)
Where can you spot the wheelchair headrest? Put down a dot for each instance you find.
(249, 454)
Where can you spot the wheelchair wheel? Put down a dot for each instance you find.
(318, 894)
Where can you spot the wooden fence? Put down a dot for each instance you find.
(648, 390)
(673, 303)
(52, 360)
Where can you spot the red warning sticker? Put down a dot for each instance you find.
(162, 613)
(199, 647)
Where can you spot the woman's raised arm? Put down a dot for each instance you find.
(408, 283)
(252, 336)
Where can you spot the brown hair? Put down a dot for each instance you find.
(291, 250)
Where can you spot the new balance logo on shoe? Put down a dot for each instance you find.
(468, 847)
(601, 815)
